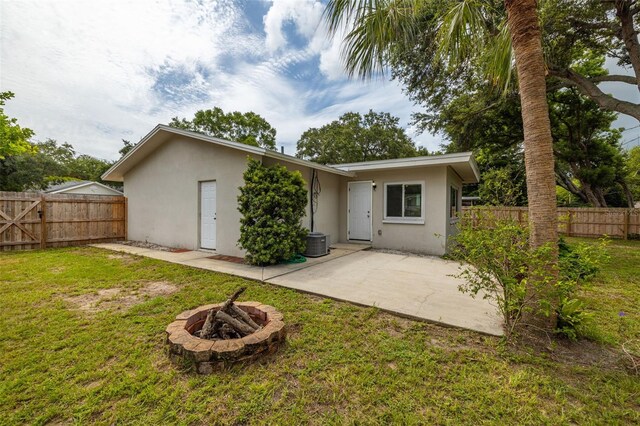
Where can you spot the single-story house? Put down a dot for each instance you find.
(82, 187)
(182, 190)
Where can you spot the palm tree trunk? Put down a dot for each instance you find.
(538, 145)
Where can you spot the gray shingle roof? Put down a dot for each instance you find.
(66, 185)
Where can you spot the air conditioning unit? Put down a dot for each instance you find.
(317, 244)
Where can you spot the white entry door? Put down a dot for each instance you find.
(359, 211)
(208, 215)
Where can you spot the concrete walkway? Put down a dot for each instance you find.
(202, 260)
(417, 287)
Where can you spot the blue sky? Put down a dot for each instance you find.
(94, 72)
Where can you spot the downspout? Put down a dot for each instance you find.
(315, 192)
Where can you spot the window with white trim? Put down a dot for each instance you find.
(403, 202)
(454, 205)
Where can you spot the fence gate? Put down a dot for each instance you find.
(21, 222)
(30, 220)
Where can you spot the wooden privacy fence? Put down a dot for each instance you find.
(572, 221)
(29, 220)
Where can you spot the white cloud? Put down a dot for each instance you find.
(91, 73)
(305, 15)
(77, 66)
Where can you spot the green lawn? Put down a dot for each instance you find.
(341, 364)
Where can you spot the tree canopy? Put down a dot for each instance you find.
(633, 171)
(588, 150)
(248, 128)
(354, 137)
(127, 146)
(573, 33)
(465, 105)
(13, 138)
(48, 163)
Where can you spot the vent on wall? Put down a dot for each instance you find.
(317, 244)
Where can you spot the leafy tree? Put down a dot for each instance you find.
(604, 28)
(588, 157)
(13, 138)
(499, 188)
(491, 127)
(272, 203)
(128, 146)
(587, 150)
(633, 171)
(354, 137)
(44, 164)
(48, 163)
(248, 128)
(569, 30)
(86, 167)
(380, 27)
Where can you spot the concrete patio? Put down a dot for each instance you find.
(418, 287)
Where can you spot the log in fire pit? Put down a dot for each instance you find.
(215, 336)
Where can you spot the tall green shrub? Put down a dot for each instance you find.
(272, 203)
(498, 263)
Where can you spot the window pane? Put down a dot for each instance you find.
(394, 200)
(413, 200)
(453, 202)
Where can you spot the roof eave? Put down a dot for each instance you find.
(406, 162)
(113, 175)
(278, 156)
(456, 159)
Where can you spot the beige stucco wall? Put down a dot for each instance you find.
(326, 219)
(429, 237)
(163, 199)
(92, 189)
(163, 194)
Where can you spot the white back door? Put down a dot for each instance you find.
(359, 224)
(208, 215)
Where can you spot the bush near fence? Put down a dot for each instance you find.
(572, 221)
(30, 220)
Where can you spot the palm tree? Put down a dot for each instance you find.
(377, 26)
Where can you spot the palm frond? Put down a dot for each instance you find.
(339, 13)
(367, 46)
(377, 27)
(499, 61)
(463, 31)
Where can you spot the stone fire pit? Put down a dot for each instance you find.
(210, 355)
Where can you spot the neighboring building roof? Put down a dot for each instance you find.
(66, 185)
(463, 163)
(76, 184)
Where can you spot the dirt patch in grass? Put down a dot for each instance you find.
(582, 352)
(124, 258)
(119, 299)
(93, 384)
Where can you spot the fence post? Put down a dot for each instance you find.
(625, 226)
(569, 223)
(126, 218)
(43, 222)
